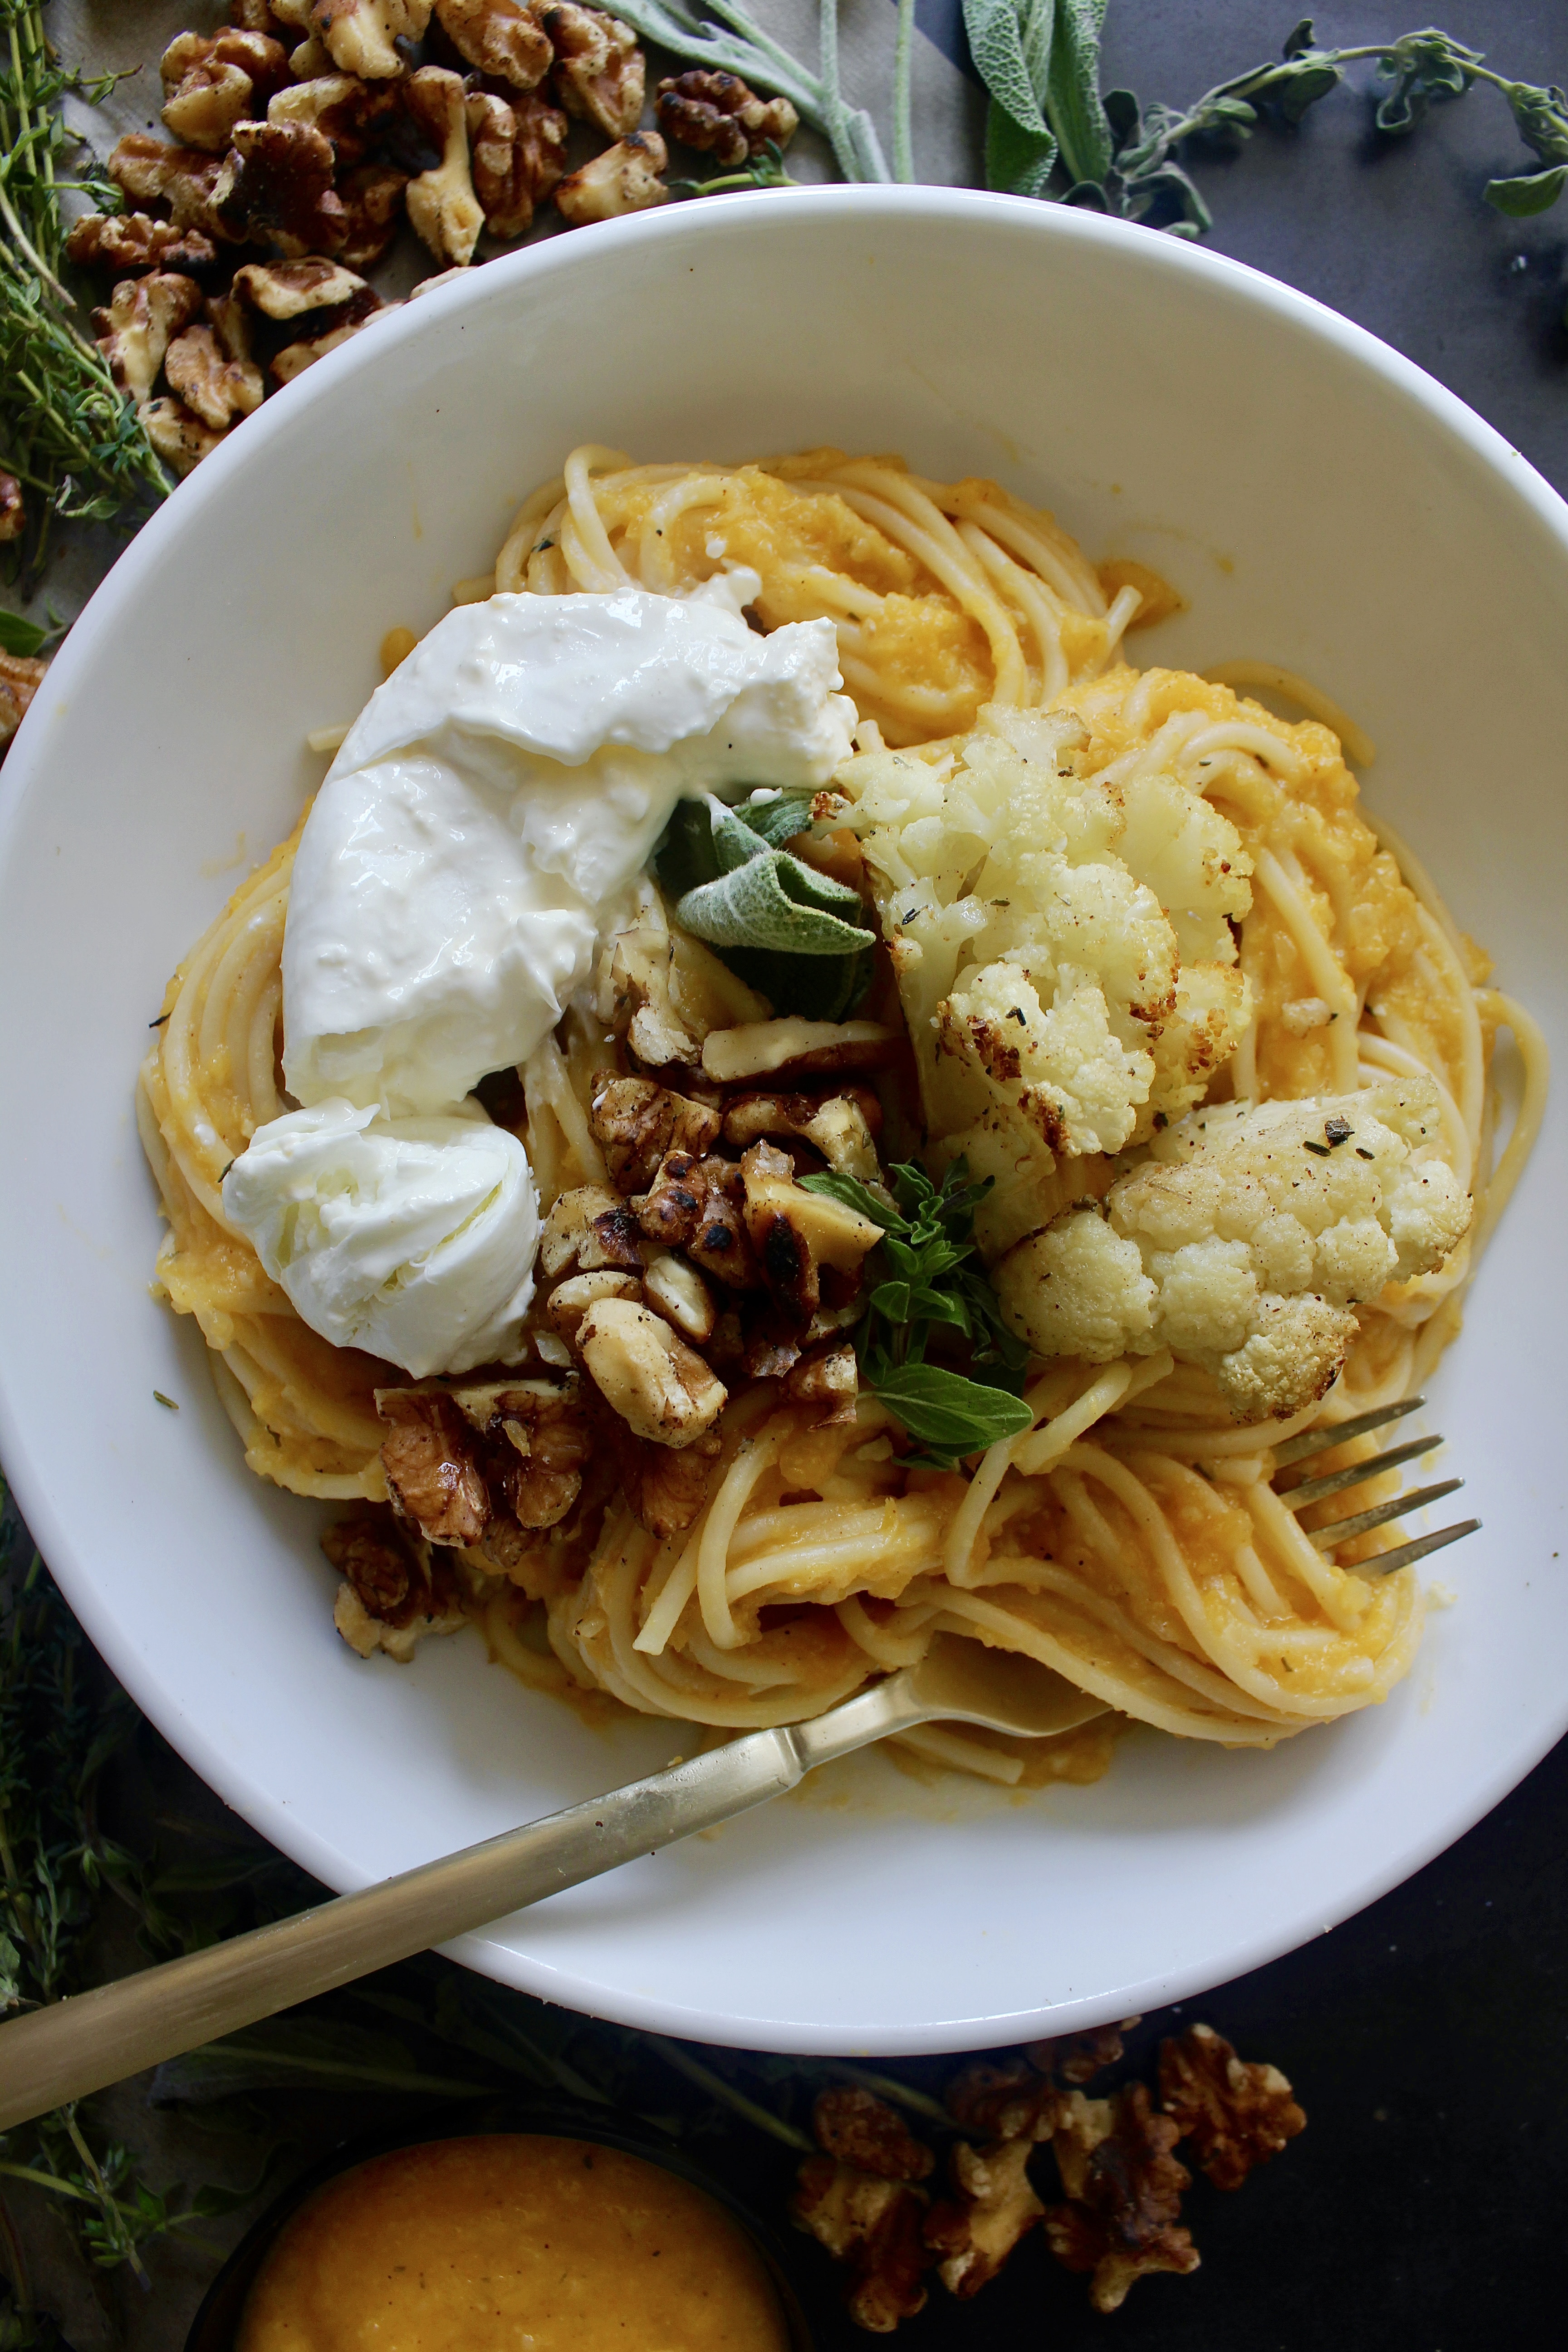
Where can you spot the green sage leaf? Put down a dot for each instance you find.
(20, 636)
(1535, 192)
(1010, 42)
(1073, 106)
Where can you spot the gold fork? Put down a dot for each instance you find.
(1336, 1481)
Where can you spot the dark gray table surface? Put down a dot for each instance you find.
(1428, 2038)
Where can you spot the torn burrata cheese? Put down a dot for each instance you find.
(498, 794)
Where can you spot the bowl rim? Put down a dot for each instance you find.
(215, 2325)
(504, 280)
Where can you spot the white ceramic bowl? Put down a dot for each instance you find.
(1323, 505)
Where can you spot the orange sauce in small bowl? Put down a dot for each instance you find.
(518, 2242)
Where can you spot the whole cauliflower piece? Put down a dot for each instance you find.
(1243, 1241)
(1062, 942)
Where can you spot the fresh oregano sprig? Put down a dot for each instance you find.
(925, 1283)
(1049, 132)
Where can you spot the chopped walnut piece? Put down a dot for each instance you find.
(665, 1487)
(770, 1350)
(548, 1440)
(661, 1388)
(202, 113)
(152, 171)
(288, 289)
(664, 993)
(328, 330)
(373, 209)
(587, 1228)
(13, 508)
(696, 1205)
(1125, 2187)
(20, 679)
(857, 2128)
(828, 1377)
(796, 1233)
(600, 72)
(344, 110)
(499, 37)
(624, 179)
(875, 2227)
(393, 1592)
(1078, 2057)
(793, 1048)
(179, 435)
(431, 1461)
(842, 1127)
(1237, 2114)
(372, 37)
(275, 188)
(677, 1292)
(442, 205)
(518, 154)
(636, 1122)
(132, 241)
(1007, 2101)
(994, 2206)
(569, 1300)
(217, 387)
(719, 115)
(255, 15)
(134, 333)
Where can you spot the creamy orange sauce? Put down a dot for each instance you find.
(511, 2243)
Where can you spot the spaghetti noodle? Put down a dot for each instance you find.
(1130, 1538)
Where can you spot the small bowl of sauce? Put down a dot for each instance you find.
(531, 2241)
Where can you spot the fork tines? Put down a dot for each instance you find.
(1316, 1490)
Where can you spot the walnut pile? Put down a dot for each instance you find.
(309, 130)
(1118, 2215)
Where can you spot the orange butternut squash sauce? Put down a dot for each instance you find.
(515, 2242)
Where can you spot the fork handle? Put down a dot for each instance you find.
(78, 2045)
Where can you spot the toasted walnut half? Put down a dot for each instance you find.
(1125, 2190)
(624, 179)
(370, 36)
(696, 1205)
(661, 1388)
(344, 110)
(210, 99)
(719, 115)
(289, 290)
(665, 1486)
(600, 72)
(675, 1290)
(569, 1300)
(394, 1591)
(152, 171)
(499, 37)
(992, 2207)
(275, 188)
(517, 154)
(135, 332)
(874, 2227)
(20, 679)
(542, 1440)
(373, 209)
(217, 387)
(588, 1228)
(635, 1123)
(127, 242)
(1237, 2114)
(857, 2128)
(442, 205)
(432, 1465)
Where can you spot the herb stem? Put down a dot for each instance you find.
(903, 77)
(675, 2054)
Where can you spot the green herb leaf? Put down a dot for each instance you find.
(787, 930)
(1532, 193)
(1073, 106)
(776, 817)
(20, 636)
(1425, 69)
(857, 1196)
(942, 1410)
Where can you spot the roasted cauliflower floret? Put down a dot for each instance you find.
(1245, 1240)
(1062, 941)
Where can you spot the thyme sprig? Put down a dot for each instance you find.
(68, 433)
